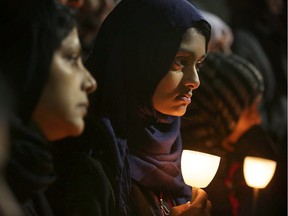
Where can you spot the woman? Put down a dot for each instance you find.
(145, 60)
(41, 57)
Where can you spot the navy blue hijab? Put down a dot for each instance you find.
(133, 51)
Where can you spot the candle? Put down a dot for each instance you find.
(198, 168)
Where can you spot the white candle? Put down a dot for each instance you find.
(198, 168)
(258, 172)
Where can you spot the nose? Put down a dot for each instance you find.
(191, 78)
(89, 84)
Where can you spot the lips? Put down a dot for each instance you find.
(185, 97)
(84, 107)
(84, 104)
(189, 95)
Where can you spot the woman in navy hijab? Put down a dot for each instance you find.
(145, 60)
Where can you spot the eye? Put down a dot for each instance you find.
(179, 63)
(73, 58)
(198, 65)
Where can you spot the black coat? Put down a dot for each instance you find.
(87, 174)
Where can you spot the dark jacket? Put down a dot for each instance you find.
(88, 175)
(29, 170)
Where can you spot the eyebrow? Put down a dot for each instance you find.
(184, 50)
(183, 53)
(203, 57)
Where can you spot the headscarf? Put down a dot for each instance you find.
(31, 31)
(27, 42)
(133, 51)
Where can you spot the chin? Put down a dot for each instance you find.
(76, 128)
(69, 129)
(174, 111)
(78, 131)
(179, 112)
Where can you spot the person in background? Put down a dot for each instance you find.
(145, 60)
(89, 17)
(265, 21)
(40, 59)
(221, 34)
(224, 119)
(255, 24)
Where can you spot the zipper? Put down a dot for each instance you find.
(163, 206)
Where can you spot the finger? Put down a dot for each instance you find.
(194, 193)
(201, 198)
(209, 205)
(208, 208)
(178, 210)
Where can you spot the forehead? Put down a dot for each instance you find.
(71, 41)
(193, 42)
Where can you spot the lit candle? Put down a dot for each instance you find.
(198, 168)
(258, 172)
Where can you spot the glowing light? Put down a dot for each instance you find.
(258, 172)
(198, 168)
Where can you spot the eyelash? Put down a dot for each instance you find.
(198, 66)
(181, 62)
(73, 58)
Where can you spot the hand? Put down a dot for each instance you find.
(201, 206)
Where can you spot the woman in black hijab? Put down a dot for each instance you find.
(40, 56)
(145, 58)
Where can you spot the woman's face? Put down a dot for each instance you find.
(174, 91)
(64, 102)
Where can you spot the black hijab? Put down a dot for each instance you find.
(133, 51)
(31, 31)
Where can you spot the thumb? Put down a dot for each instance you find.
(194, 193)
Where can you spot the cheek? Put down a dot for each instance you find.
(164, 99)
(161, 94)
(61, 94)
(168, 84)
